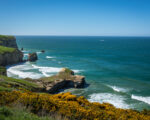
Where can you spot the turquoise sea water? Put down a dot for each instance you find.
(117, 68)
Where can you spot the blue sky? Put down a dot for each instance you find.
(75, 17)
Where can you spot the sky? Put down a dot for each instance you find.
(75, 17)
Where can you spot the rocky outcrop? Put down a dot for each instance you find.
(8, 41)
(64, 79)
(43, 51)
(32, 57)
(9, 58)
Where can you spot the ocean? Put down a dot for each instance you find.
(117, 69)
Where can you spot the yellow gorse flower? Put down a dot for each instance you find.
(70, 106)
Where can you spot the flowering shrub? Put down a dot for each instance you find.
(70, 106)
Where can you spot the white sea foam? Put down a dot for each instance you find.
(22, 74)
(118, 89)
(50, 69)
(45, 74)
(47, 69)
(141, 98)
(26, 66)
(117, 100)
(48, 57)
(29, 70)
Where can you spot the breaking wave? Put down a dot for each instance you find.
(141, 98)
(28, 70)
(117, 100)
(48, 57)
(118, 89)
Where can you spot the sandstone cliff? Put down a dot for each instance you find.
(64, 79)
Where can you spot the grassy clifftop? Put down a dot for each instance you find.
(7, 113)
(6, 37)
(6, 50)
(8, 41)
(9, 84)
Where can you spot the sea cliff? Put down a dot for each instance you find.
(9, 52)
(8, 41)
(28, 99)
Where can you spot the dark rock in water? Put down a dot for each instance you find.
(32, 57)
(64, 79)
(43, 51)
(3, 71)
(21, 49)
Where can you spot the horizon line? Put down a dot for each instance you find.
(89, 35)
(84, 35)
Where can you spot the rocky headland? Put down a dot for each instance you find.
(9, 52)
(8, 41)
(63, 80)
(31, 99)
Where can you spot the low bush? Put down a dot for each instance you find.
(70, 106)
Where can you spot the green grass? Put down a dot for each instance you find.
(62, 75)
(2, 70)
(9, 84)
(7, 113)
(6, 37)
(68, 71)
(6, 50)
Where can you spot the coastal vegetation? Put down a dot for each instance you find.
(3, 71)
(69, 106)
(9, 52)
(28, 99)
(6, 37)
(4, 49)
(7, 113)
(9, 84)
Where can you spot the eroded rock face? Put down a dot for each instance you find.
(32, 57)
(79, 81)
(8, 58)
(11, 58)
(64, 79)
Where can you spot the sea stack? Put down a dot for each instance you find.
(32, 57)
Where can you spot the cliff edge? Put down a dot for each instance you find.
(9, 52)
(8, 41)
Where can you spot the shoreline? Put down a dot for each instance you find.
(40, 93)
